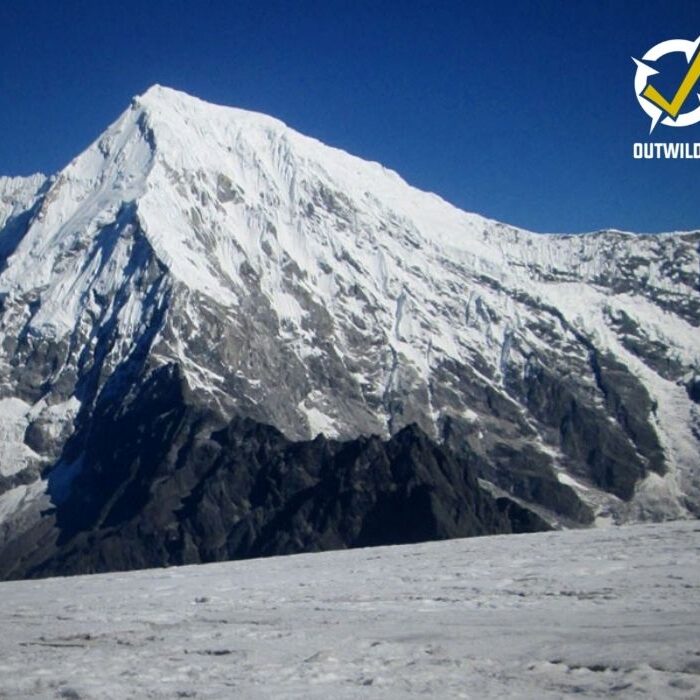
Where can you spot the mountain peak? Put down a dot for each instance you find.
(178, 106)
(160, 97)
(160, 92)
(302, 287)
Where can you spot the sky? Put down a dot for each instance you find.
(521, 111)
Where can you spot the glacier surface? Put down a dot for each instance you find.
(586, 613)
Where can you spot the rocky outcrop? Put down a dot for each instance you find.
(162, 483)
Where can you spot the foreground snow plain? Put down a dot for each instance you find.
(587, 613)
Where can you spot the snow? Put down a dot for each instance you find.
(596, 613)
(87, 196)
(15, 500)
(17, 194)
(320, 423)
(570, 481)
(14, 454)
(15, 417)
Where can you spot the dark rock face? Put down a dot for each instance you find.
(693, 389)
(615, 453)
(166, 483)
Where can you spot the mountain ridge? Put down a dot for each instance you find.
(306, 289)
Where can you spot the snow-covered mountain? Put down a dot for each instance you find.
(201, 264)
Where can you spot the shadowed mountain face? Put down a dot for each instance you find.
(201, 293)
(166, 485)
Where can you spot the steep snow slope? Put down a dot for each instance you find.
(305, 288)
(587, 614)
(17, 194)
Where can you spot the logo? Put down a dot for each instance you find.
(682, 109)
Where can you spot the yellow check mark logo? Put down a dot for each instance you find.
(673, 107)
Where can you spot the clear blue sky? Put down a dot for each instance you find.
(522, 111)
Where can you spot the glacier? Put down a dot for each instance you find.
(582, 613)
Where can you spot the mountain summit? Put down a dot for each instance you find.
(203, 281)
